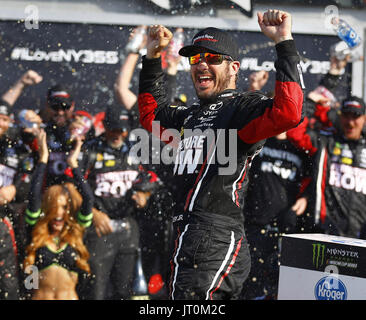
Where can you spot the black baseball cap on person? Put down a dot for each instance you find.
(146, 181)
(212, 40)
(5, 108)
(116, 118)
(353, 104)
(59, 96)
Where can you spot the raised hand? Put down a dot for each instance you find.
(31, 78)
(276, 25)
(42, 145)
(72, 159)
(157, 40)
(257, 80)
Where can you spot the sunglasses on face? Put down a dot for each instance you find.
(210, 58)
(62, 106)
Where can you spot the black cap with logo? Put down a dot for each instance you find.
(58, 97)
(353, 104)
(212, 40)
(116, 118)
(146, 181)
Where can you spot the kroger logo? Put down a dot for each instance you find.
(330, 288)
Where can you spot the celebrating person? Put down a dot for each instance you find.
(339, 199)
(114, 237)
(212, 260)
(57, 248)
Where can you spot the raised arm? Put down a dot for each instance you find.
(154, 104)
(29, 78)
(33, 210)
(85, 215)
(258, 117)
(122, 85)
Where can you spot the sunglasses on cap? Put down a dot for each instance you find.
(210, 58)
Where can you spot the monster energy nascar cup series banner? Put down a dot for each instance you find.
(322, 267)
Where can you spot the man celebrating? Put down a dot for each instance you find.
(338, 206)
(211, 258)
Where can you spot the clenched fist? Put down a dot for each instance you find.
(257, 80)
(31, 78)
(276, 25)
(157, 40)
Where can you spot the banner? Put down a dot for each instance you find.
(182, 6)
(88, 57)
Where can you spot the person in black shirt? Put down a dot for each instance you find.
(277, 194)
(153, 205)
(59, 110)
(114, 237)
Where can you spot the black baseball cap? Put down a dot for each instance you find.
(353, 104)
(5, 108)
(59, 96)
(146, 181)
(116, 118)
(212, 40)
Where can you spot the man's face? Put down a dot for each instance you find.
(115, 138)
(4, 124)
(60, 115)
(209, 79)
(352, 125)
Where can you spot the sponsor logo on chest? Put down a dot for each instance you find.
(347, 177)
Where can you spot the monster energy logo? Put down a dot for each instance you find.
(318, 254)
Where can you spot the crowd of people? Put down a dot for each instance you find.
(80, 212)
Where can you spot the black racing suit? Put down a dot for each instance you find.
(338, 206)
(279, 175)
(59, 143)
(112, 257)
(155, 226)
(59, 146)
(211, 260)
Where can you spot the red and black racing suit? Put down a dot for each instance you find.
(339, 183)
(211, 258)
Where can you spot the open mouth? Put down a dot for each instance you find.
(204, 80)
(58, 222)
